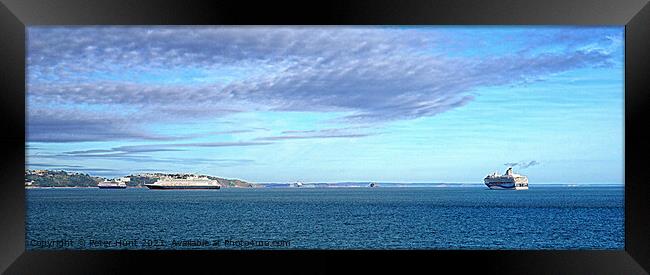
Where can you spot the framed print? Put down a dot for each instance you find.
(502, 134)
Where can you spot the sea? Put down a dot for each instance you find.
(411, 218)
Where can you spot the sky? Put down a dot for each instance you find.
(329, 103)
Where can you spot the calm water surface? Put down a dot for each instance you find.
(327, 218)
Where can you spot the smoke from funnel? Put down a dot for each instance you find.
(522, 164)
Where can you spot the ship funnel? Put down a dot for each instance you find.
(509, 171)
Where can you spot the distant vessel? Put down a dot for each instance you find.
(185, 182)
(372, 184)
(298, 184)
(112, 184)
(507, 181)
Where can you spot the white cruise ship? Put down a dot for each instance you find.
(185, 182)
(507, 181)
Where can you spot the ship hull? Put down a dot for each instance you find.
(112, 187)
(507, 187)
(159, 187)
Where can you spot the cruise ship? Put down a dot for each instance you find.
(185, 182)
(507, 181)
(112, 184)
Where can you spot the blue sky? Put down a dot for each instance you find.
(329, 104)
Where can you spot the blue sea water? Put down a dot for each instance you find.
(326, 218)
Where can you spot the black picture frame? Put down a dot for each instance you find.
(15, 15)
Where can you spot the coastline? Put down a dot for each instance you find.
(385, 186)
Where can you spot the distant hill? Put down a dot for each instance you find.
(232, 183)
(47, 178)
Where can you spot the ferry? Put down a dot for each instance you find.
(112, 184)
